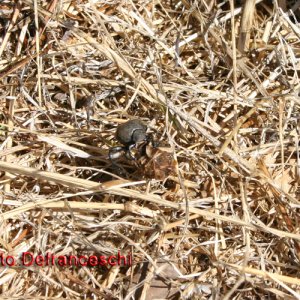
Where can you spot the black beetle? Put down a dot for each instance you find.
(129, 134)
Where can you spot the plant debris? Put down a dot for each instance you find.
(216, 216)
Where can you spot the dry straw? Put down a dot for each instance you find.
(217, 82)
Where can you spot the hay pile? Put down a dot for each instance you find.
(216, 82)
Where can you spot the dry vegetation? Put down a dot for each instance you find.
(216, 82)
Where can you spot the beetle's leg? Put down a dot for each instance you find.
(116, 152)
(151, 141)
(128, 152)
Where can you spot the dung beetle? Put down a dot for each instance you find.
(131, 132)
(130, 135)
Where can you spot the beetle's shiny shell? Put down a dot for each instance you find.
(131, 132)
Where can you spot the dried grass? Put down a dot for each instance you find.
(216, 82)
